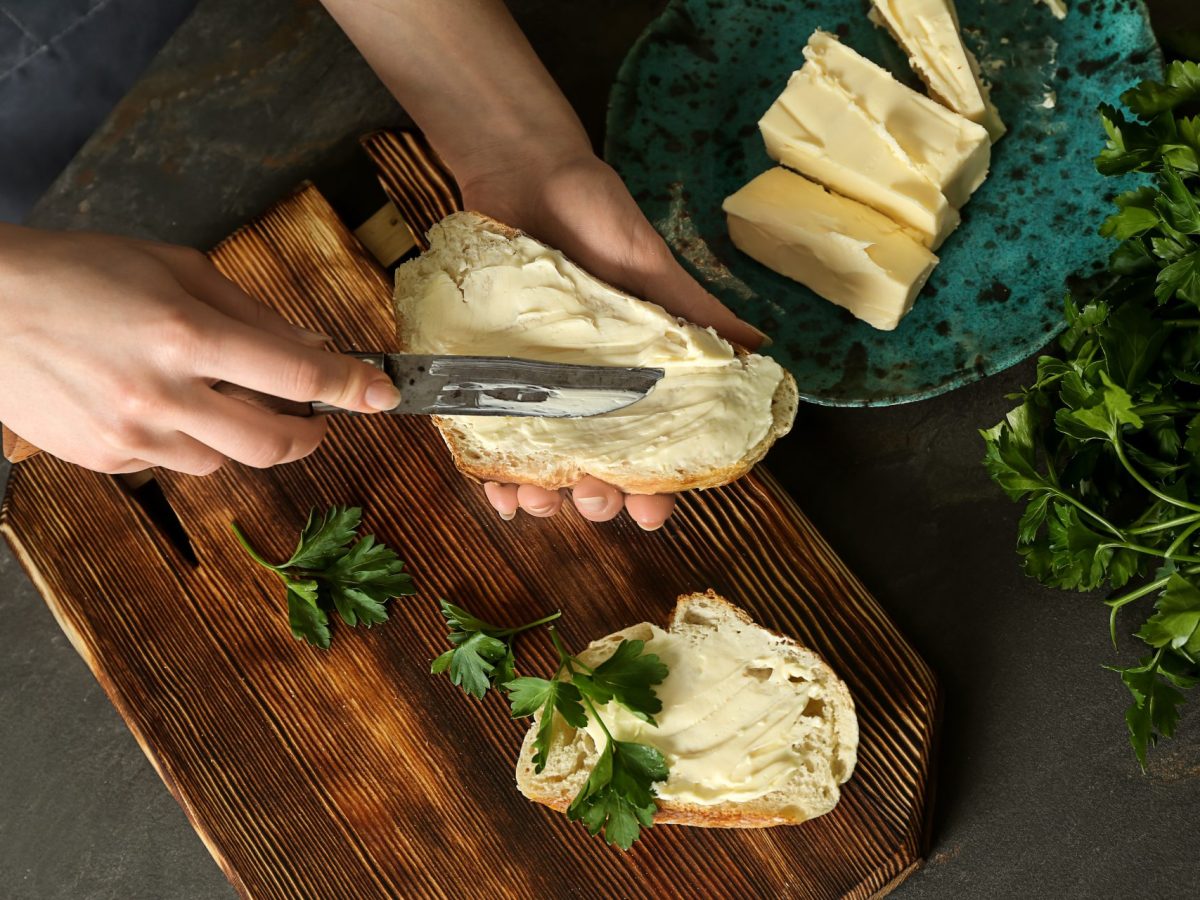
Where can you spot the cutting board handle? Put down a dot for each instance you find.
(414, 178)
(17, 449)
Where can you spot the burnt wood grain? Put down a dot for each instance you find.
(353, 773)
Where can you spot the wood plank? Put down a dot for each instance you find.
(352, 772)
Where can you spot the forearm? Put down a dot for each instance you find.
(466, 74)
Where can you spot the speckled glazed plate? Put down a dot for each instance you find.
(682, 131)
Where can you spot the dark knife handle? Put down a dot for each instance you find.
(17, 449)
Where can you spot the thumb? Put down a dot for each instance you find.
(668, 284)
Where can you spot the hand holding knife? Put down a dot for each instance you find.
(465, 386)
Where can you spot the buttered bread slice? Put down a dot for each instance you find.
(756, 730)
(486, 289)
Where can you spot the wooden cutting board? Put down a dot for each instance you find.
(354, 773)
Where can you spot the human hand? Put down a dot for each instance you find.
(576, 203)
(111, 346)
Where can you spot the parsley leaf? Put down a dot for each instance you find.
(326, 572)
(628, 676)
(307, 620)
(362, 580)
(1181, 278)
(530, 695)
(1011, 456)
(1154, 712)
(474, 660)
(482, 656)
(1177, 621)
(1136, 214)
(1101, 416)
(618, 797)
(324, 539)
(1182, 84)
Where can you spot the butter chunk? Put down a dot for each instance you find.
(1058, 7)
(951, 151)
(815, 128)
(843, 250)
(928, 31)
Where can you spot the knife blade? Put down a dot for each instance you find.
(441, 385)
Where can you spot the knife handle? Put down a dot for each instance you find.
(17, 449)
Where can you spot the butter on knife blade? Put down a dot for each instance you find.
(441, 385)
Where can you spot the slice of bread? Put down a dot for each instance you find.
(730, 767)
(483, 288)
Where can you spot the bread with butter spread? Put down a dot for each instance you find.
(485, 289)
(757, 730)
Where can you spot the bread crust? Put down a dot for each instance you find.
(752, 814)
(783, 409)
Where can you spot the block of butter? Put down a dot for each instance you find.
(1058, 7)
(951, 151)
(817, 129)
(928, 30)
(845, 251)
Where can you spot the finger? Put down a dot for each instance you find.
(650, 511)
(538, 501)
(248, 434)
(503, 498)
(183, 453)
(597, 501)
(122, 466)
(200, 278)
(128, 468)
(668, 284)
(271, 365)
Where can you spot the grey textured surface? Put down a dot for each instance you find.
(1038, 793)
(64, 64)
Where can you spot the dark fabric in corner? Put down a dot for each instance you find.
(64, 64)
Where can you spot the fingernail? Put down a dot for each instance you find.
(540, 510)
(382, 396)
(507, 517)
(314, 338)
(767, 340)
(650, 526)
(591, 504)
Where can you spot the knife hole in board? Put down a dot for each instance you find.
(147, 494)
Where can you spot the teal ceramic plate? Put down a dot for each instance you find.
(682, 131)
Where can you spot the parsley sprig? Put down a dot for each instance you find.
(1104, 448)
(330, 570)
(618, 796)
(482, 656)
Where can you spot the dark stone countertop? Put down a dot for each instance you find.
(1038, 793)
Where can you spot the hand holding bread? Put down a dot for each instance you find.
(577, 204)
(485, 288)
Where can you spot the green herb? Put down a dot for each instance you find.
(330, 570)
(482, 656)
(1104, 449)
(618, 797)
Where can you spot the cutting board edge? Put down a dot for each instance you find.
(11, 530)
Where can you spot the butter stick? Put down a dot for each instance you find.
(929, 32)
(950, 150)
(815, 128)
(843, 250)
